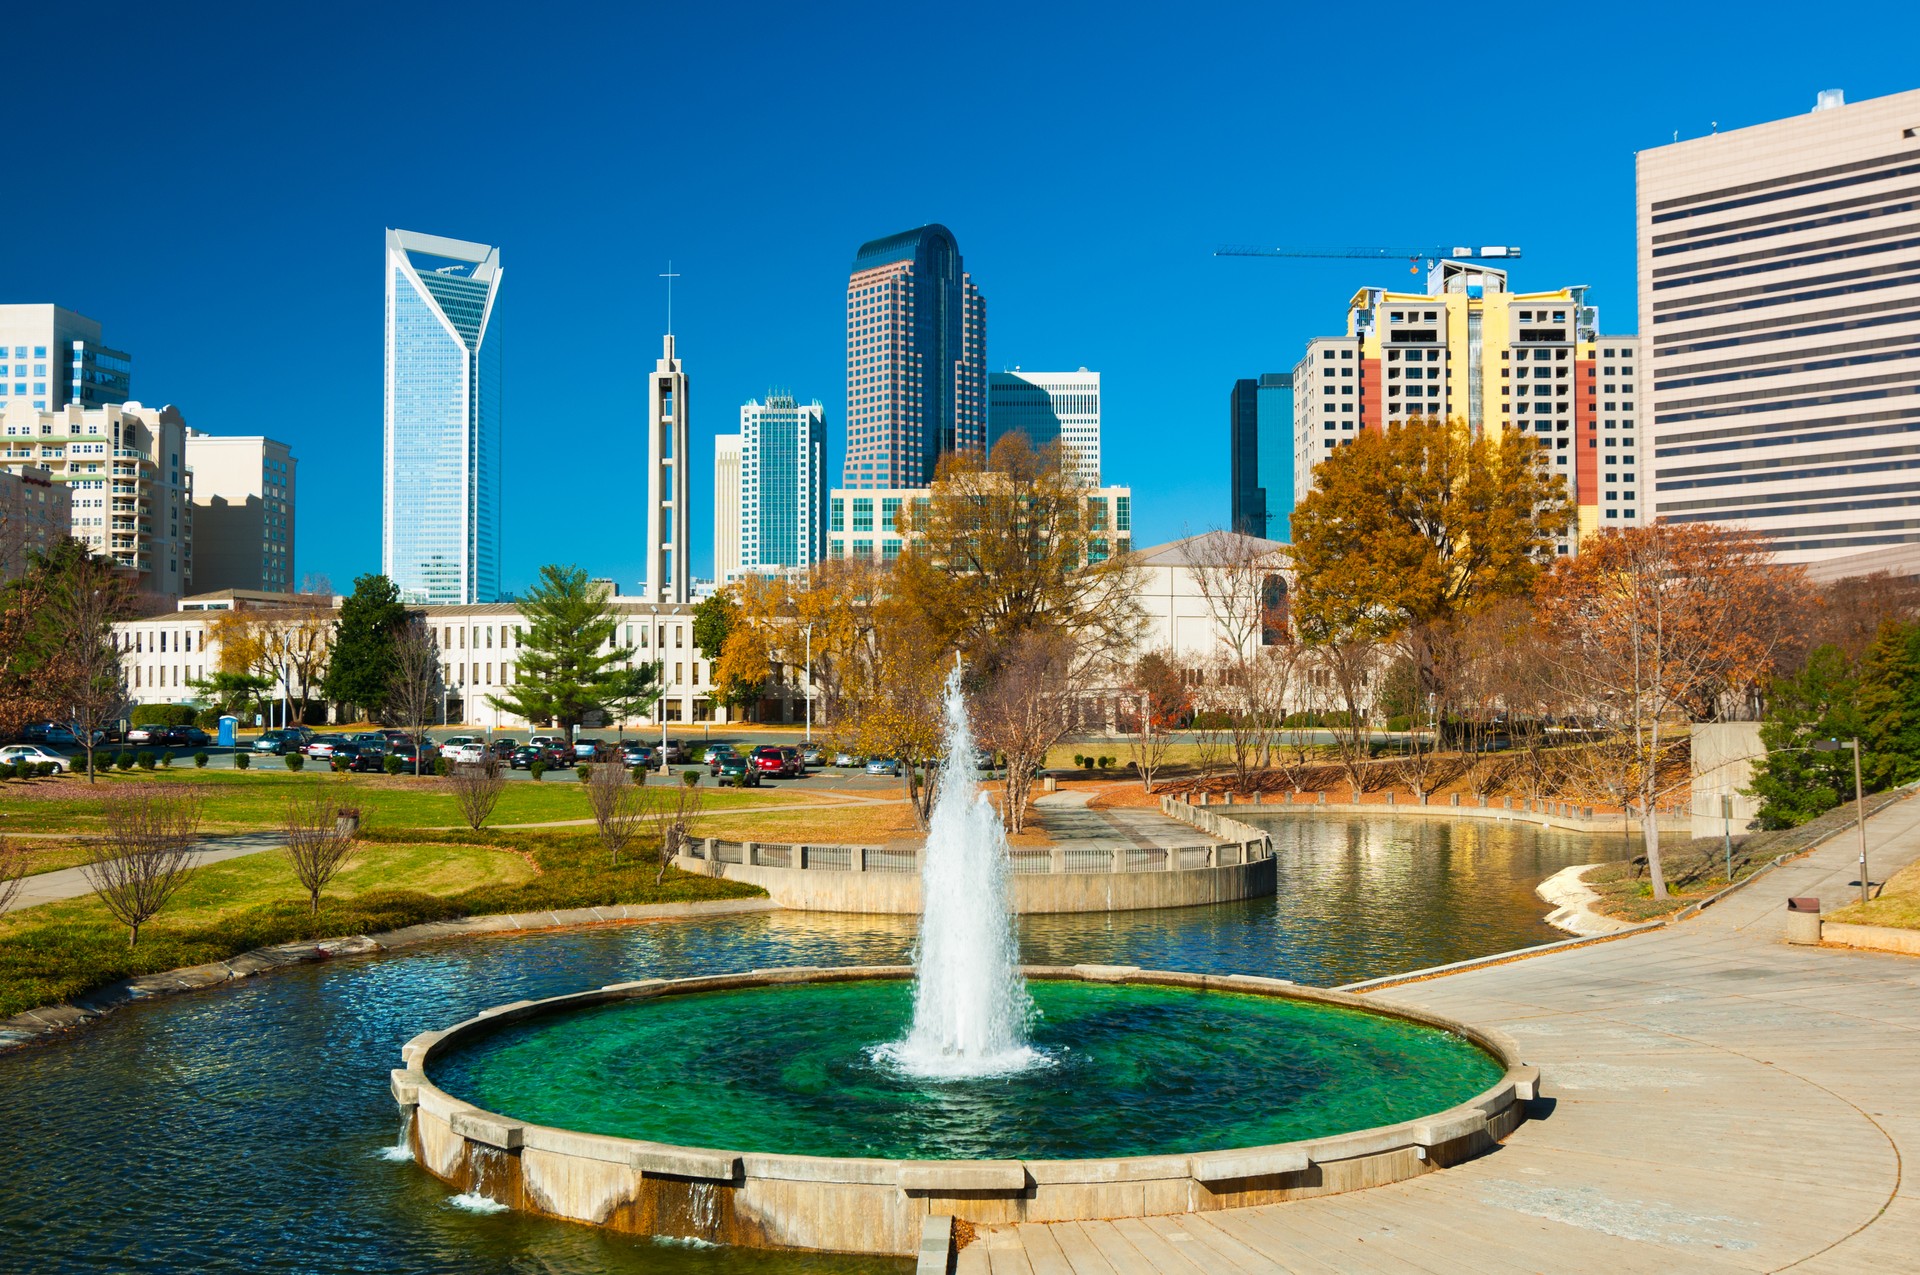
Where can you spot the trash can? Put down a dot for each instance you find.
(1803, 921)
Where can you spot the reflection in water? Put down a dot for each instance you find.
(265, 1104)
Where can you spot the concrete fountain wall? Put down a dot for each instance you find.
(878, 1206)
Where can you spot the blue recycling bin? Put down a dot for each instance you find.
(229, 731)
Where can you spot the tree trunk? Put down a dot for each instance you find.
(1650, 833)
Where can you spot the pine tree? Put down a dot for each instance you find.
(361, 667)
(1793, 782)
(568, 662)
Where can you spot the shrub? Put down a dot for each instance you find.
(691, 778)
(161, 715)
(639, 774)
(9, 770)
(294, 760)
(393, 765)
(1299, 721)
(1400, 722)
(1106, 762)
(1342, 718)
(44, 769)
(124, 759)
(583, 773)
(145, 760)
(242, 760)
(536, 768)
(441, 767)
(200, 760)
(166, 758)
(207, 719)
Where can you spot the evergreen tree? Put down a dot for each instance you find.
(362, 665)
(568, 662)
(1889, 715)
(1794, 783)
(713, 620)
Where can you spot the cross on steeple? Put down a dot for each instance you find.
(669, 276)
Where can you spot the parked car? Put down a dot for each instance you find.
(63, 737)
(845, 758)
(279, 742)
(187, 737)
(634, 753)
(796, 764)
(676, 753)
(464, 751)
(738, 771)
(525, 755)
(590, 750)
(813, 755)
(504, 748)
(36, 733)
(378, 738)
(714, 752)
(405, 749)
(321, 746)
(718, 756)
(769, 760)
(152, 733)
(34, 753)
(365, 758)
(884, 766)
(560, 747)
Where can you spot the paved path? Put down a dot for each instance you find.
(1723, 1102)
(1066, 818)
(71, 883)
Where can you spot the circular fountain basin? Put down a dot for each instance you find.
(755, 1109)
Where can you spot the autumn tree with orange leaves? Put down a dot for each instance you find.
(1655, 626)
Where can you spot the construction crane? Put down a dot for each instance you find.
(1414, 256)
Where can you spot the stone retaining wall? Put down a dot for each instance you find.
(740, 1196)
(1546, 814)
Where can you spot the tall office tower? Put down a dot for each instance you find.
(916, 359)
(50, 357)
(783, 496)
(1467, 349)
(440, 517)
(726, 507)
(243, 501)
(126, 467)
(1780, 310)
(1049, 407)
(668, 556)
(1260, 432)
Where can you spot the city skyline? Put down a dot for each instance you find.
(1100, 270)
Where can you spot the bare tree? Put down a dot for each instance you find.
(619, 807)
(1351, 666)
(1242, 580)
(1156, 705)
(148, 854)
(414, 691)
(91, 684)
(477, 786)
(13, 872)
(1023, 712)
(317, 845)
(670, 809)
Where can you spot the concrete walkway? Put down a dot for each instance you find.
(1722, 1102)
(1066, 818)
(71, 883)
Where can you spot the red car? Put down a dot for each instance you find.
(770, 760)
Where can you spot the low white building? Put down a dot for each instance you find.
(1181, 616)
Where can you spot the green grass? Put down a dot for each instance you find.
(1897, 905)
(58, 951)
(239, 801)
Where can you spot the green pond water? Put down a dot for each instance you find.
(1130, 1070)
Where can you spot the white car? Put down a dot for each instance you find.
(34, 753)
(463, 749)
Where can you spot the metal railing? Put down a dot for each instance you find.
(1065, 859)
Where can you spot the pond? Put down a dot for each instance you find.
(245, 1129)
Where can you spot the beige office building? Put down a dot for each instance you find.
(1779, 279)
(36, 513)
(726, 508)
(126, 467)
(243, 500)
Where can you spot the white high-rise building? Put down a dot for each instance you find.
(50, 356)
(440, 518)
(783, 507)
(243, 503)
(726, 507)
(1780, 320)
(1049, 407)
(668, 558)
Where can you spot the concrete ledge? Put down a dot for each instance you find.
(867, 1205)
(937, 1251)
(1871, 938)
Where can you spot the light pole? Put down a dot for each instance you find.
(1859, 800)
(808, 630)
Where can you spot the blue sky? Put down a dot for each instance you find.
(213, 184)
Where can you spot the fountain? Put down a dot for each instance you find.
(1044, 1092)
(970, 1002)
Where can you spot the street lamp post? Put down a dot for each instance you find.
(1859, 801)
(808, 630)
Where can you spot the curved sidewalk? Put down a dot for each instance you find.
(1721, 1102)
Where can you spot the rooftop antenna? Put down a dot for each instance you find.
(669, 276)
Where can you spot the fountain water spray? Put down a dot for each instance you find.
(970, 1003)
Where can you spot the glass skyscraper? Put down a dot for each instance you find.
(440, 518)
(916, 359)
(1261, 424)
(783, 508)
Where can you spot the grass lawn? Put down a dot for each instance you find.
(239, 801)
(1897, 904)
(60, 950)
